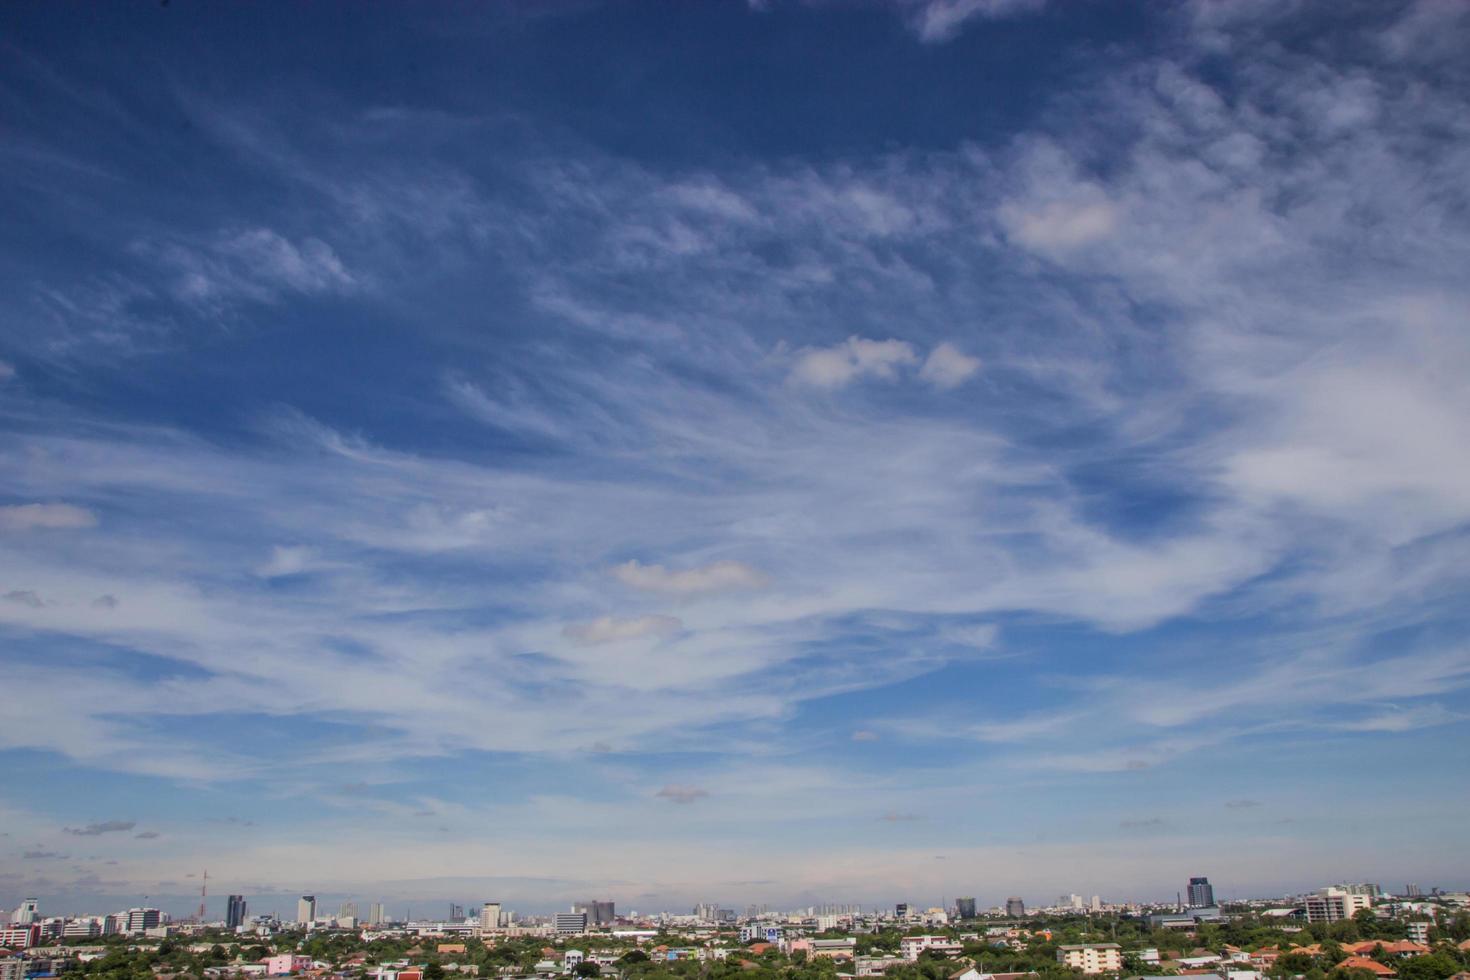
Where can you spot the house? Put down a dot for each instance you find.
(1364, 963)
(1092, 957)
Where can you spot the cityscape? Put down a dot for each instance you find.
(735, 489)
(1350, 931)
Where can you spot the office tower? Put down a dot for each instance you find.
(234, 911)
(489, 916)
(901, 910)
(571, 923)
(28, 912)
(375, 914)
(1015, 908)
(1413, 891)
(604, 913)
(1201, 893)
(1096, 903)
(347, 910)
(141, 919)
(964, 908)
(306, 910)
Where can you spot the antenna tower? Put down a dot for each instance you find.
(203, 894)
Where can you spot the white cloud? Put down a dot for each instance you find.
(948, 367)
(854, 358)
(1059, 226)
(610, 629)
(716, 577)
(287, 560)
(23, 517)
(7, 371)
(940, 20)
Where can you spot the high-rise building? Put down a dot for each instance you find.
(901, 910)
(1333, 904)
(603, 914)
(141, 919)
(571, 923)
(1015, 908)
(489, 916)
(375, 914)
(1413, 891)
(306, 910)
(964, 908)
(1201, 893)
(234, 911)
(28, 912)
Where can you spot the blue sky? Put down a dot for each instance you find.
(716, 452)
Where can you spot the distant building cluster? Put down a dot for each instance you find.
(591, 937)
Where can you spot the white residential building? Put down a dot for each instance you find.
(909, 947)
(1092, 957)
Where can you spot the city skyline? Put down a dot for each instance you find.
(770, 452)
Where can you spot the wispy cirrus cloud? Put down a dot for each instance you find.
(26, 517)
(103, 827)
(719, 576)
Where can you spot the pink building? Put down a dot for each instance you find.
(286, 964)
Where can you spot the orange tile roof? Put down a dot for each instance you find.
(1364, 963)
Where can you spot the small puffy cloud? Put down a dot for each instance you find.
(1060, 226)
(287, 561)
(25, 597)
(720, 576)
(25, 517)
(611, 629)
(98, 829)
(864, 735)
(854, 358)
(948, 367)
(7, 371)
(677, 793)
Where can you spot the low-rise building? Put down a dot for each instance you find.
(1092, 957)
(910, 947)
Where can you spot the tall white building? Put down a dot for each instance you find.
(489, 916)
(375, 914)
(28, 912)
(1332, 904)
(306, 910)
(571, 923)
